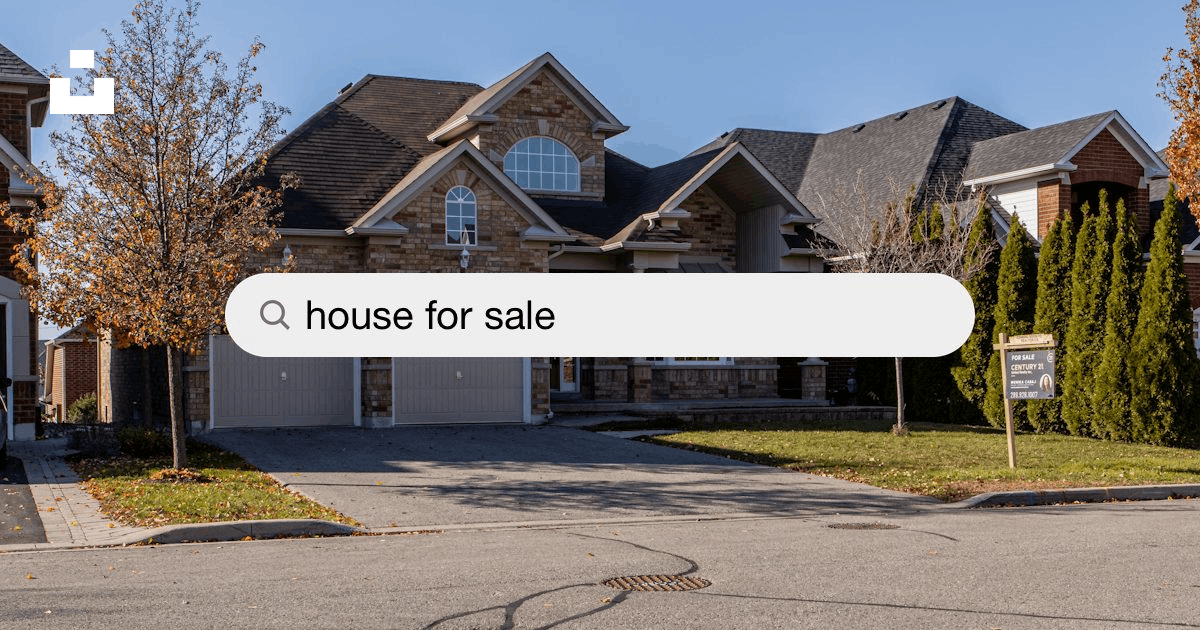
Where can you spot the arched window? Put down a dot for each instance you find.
(539, 163)
(460, 216)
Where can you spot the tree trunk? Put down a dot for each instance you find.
(175, 382)
(901, 426)
(147, 390)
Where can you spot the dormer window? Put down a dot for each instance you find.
(460, 216)
(540, 163)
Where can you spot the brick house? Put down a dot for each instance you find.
(69, 371)
(950, 148)
(402, 174)
(23, 104)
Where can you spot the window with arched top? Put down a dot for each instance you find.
(460, 216)
(540, 163)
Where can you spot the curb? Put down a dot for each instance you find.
(228, 531)
(237, 530)
(1025, 498)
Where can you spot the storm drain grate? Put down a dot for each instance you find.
(657, 583)
(875, 525)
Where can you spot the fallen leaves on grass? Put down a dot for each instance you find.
(221, 486)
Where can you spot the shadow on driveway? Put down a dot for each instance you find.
(19, 520)
(415, 476)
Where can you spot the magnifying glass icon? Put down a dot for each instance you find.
(262, 312)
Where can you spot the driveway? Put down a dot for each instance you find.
(436, 476)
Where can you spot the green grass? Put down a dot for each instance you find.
(950, 462)
(229, 490)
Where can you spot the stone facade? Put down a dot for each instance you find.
(542, 108)
(633, 379)
(712, 228)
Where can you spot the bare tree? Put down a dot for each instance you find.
(867, 234)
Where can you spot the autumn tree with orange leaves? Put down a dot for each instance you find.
(1180, 86)
(148, 220)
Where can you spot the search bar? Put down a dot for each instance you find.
(522, 315)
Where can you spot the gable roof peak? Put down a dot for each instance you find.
(481, 107)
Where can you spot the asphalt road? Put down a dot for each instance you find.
(19, 520)
(1088, 566)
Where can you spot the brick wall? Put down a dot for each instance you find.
(712, 228)
(74, 374)
(747, 378)
(1054, 202)
(1191, 268)
(1105, 160)
(541, 108)
(122, 398)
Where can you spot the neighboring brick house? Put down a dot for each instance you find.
(949, 149)
(402, 174)
(23, 105)
(69, 371)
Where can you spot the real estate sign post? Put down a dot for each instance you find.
(1027, 362)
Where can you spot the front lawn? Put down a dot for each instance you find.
(950, 462)
(218, 486)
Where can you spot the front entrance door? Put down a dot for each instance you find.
(564, 374)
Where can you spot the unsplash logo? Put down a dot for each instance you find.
(101, 101)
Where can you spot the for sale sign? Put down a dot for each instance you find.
(1030, 374)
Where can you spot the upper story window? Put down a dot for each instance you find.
(460, 216)
(539, 163)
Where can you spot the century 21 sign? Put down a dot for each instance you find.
(1030, 374)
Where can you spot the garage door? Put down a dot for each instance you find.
(454, 390)
(250, 391)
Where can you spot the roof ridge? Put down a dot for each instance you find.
(372, 75)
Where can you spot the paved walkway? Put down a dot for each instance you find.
(70, 516)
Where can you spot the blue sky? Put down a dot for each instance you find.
(681, 73)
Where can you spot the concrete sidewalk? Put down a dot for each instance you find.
(70, 516)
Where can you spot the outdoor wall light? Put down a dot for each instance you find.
(464, 258)
(287, 254)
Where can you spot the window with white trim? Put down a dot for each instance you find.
(460, 216)
(540, 163)
(1196, 330)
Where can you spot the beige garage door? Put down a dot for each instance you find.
(250, 391)
(455, 390)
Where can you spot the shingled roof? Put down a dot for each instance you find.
(631, 190)
(922, 147)
(1029, 149)
(407, 109)
(15, 69)
(375, 135)
(345, 165)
